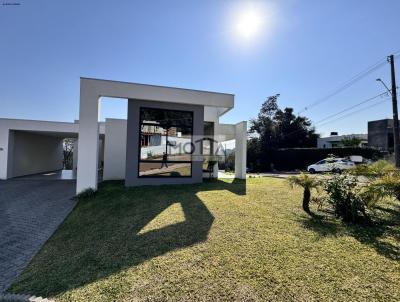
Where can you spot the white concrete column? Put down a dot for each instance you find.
(240, 149)
(88, 139)
(75, 155)
(115, 149)
(5, 153)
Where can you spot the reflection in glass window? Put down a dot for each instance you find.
(168, 169)
(155, 141)
(166, 145)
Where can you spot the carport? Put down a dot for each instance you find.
(34, 149)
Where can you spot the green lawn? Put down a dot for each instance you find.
(213, 242)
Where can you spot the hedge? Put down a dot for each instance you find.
(300, 158)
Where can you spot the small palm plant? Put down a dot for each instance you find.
(308, 183)
(387, 185)
(373, 171)
(382, 179)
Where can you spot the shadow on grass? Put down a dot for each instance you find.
(375, 234)
(102, 235)
(321, 225)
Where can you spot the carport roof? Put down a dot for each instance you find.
(50, 128)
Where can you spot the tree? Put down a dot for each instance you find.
(350, 141)
(307, 182)
(277, 128)
(68, 149)
(254, 154)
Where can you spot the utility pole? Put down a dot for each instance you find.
(395, 113)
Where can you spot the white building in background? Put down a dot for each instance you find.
(185, 130)
(335, 140)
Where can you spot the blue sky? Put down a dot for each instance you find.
(303, 50)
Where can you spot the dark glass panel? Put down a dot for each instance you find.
(159, 169)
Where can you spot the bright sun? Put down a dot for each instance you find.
(249, 23)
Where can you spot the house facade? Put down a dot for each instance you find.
(335, 140)
(171, 136)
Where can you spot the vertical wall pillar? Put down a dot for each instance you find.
(240, 149)
(115, 149)
(6, 153)
(88, 139)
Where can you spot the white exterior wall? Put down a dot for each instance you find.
(115, 149)
(4, 152)
(211, 114)
(33, 153)
(327, 141)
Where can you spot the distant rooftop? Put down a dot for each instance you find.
(340, 137)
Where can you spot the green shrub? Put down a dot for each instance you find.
(379, 168)
(348, 198)
(360, 170)
(387, 185)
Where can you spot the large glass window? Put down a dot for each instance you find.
(166, 145)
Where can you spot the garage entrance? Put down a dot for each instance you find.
(42, 155)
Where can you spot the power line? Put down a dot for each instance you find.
(355, 112)
(344, 110)
(352, 107)
(350, 82)
(346, 85)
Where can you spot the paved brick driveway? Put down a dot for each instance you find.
(30, 211)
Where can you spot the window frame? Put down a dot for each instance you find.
(139, 160)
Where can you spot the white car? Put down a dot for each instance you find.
(335, 165)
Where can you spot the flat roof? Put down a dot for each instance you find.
(119, 89)
(157, 86)
(44, 127)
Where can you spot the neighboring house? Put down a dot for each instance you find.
(380, 134)
(161, 142)
(335, 140)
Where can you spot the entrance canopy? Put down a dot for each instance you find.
(215, 104)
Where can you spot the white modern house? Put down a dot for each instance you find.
(169, 136)
(335, 140)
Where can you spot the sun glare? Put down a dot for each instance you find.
(249, 23)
